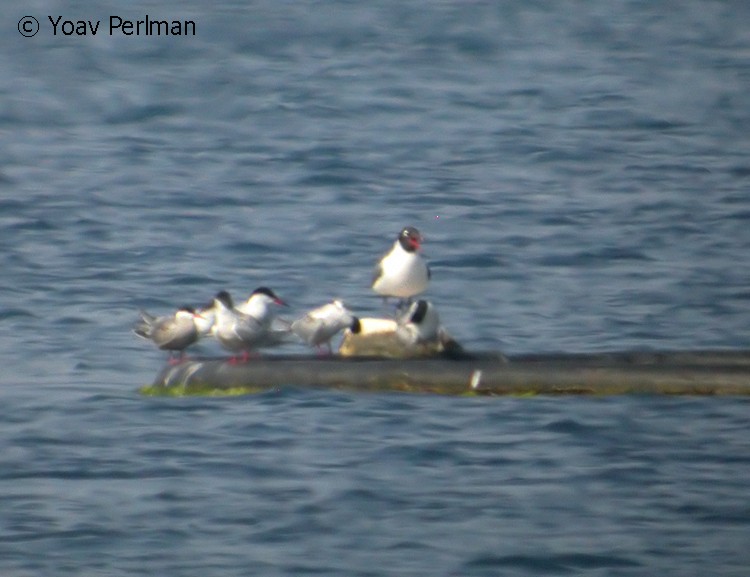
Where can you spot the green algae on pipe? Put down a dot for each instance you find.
(669, 372)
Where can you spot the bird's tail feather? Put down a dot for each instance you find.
(145, 325)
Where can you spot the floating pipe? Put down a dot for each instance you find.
(642, 372)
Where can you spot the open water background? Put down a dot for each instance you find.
(581, 173)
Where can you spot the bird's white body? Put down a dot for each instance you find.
(320, 325)
(402, 272)
(258, 306)
(240, 332)
(204, 321)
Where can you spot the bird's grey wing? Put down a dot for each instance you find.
(306, 328)
(171, 333)
(247, 328)
(274, 336)
(279, 324)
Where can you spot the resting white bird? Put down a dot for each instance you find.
(239, 332)
(320, 325)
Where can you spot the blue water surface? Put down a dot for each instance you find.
(580, 172)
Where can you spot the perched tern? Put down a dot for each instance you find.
(320, 325)
(402, 272)
(239, 332)
(170, 333)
